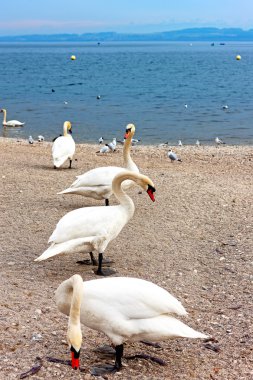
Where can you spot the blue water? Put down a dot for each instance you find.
(147, 84)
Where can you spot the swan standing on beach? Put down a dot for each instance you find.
(124, 309)
(64, 147)
(97, 183)
(92, 228)
(10, 123)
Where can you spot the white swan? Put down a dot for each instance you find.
(92, 228)
(97, 183)
(123, 308)
(10, 123)
(64, 147)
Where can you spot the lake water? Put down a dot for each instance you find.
(147, 84)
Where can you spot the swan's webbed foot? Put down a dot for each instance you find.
(105, 350)
(151, 344)
(104, 272)
(147, 357)
(108, 368)
(103, 369)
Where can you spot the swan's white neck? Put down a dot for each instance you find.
(122, 197)
(129, 163)
(77, 286)
(4, 120)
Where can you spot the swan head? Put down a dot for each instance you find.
(147, 185)
(74, 337)
(130, 130)
(67, 126)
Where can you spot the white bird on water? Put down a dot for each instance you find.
(10, 123)
(97, 183)
(173, 157)
(124, 309)
(64, 147)
(218, 141)
(30, 140)
(93, 228)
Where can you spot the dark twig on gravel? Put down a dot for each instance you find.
(213, 347)
(37, 366)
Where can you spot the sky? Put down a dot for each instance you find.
(123, 16)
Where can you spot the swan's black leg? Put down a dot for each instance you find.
(104, 271)
(54, 167)
(107, 202)
(94, 261)
(106, 368)
(70, 163)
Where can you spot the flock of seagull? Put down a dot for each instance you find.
(123, 308)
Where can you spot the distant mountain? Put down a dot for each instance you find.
(193, 34)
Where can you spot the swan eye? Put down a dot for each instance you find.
(150, 192)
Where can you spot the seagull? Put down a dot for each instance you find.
(173, 157)
(101, 140)
(185, 106)
(225, 107)
(219, 141)
(198, 143)
(112, 144)
(180, 143)
(104, 149)
(30, 140)
(98, 97)
(135, 141)
(65, 102)
(41, 138)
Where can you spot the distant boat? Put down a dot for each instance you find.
(212, 44)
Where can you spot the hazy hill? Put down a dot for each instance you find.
(193, 34)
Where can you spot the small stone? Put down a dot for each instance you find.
(37, 337)
(38, 311)
(11, 263)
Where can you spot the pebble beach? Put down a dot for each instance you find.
(195, 241)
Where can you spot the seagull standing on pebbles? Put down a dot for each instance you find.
(41, 138)
(219, 141)
(180, 143)
(101, 140)
(173, 157)
(112, 144)
(30, 140)
(197, 142)
(104, 149)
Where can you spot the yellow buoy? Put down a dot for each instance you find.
(73, 57)
(238, 57)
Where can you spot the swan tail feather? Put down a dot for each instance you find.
(68, 246)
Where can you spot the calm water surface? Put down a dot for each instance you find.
(144, 83)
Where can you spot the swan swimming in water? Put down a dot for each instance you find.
(10, 123)
(64, 147)
(124, 309)
(93, 228)
(97, 183)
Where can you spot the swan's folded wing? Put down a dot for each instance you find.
(134, 298)
(102, 176)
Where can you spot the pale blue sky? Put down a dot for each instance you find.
(81, 16)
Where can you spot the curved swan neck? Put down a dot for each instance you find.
(128, 162)
(122, 197)
(77, 286)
